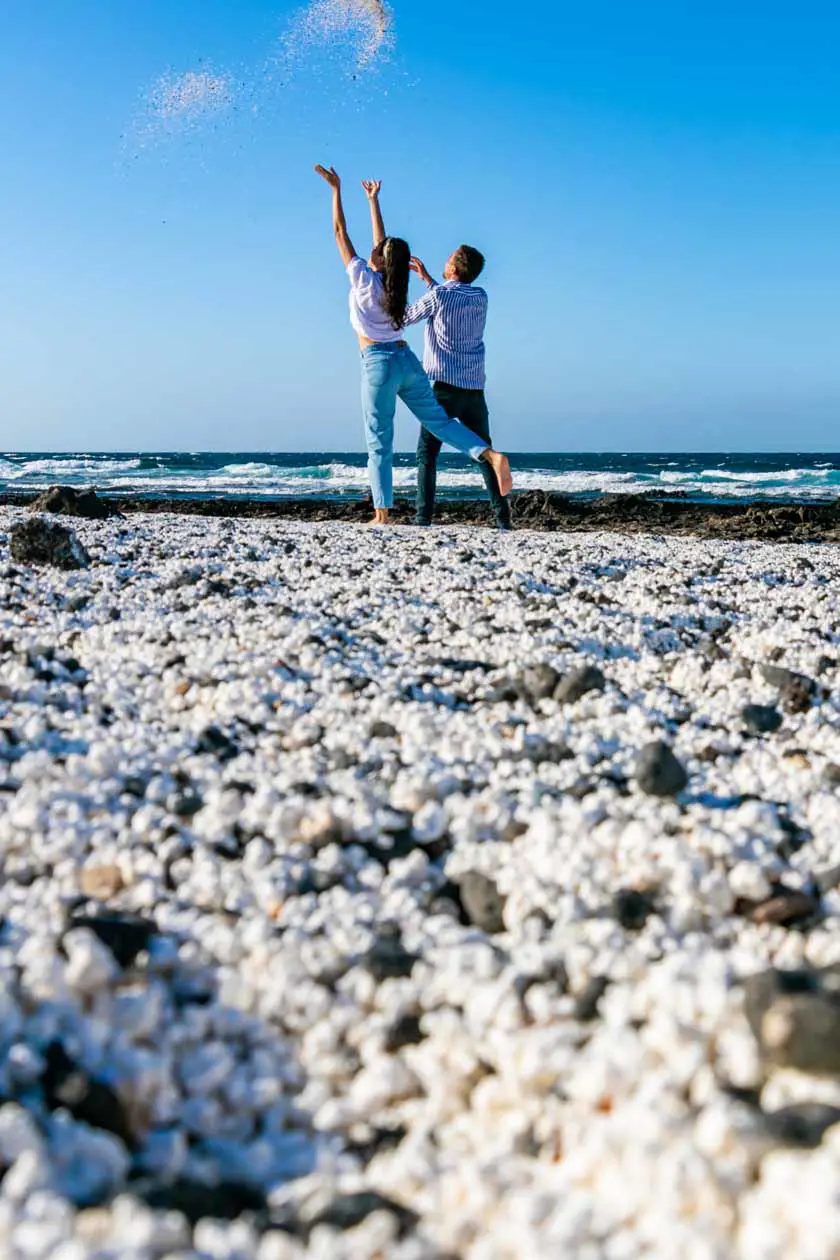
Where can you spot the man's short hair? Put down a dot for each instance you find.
(468, 263)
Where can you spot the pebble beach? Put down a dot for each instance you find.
(418, 894)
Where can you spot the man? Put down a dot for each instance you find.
(456, 315)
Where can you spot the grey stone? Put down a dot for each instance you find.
(77, 602)
(588, 1001)
(539, 751)
(797, 690)
(827, 878)
(405, 1032)
(658, 772)
(787, 907)
(188, 576)
(577, 684)
(459, 666)
(388, 958)
(795, 1018)
(537, 682)
(482, 902)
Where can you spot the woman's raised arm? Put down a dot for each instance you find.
(372, 188)
(342, 239)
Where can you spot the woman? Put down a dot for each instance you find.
(378, 302)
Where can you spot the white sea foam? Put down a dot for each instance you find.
(251, 471)
(786, 474)
(67, 468)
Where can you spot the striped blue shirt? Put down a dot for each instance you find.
(456, 315)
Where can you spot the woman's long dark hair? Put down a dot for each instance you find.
(395, 275)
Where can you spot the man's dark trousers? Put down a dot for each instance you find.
(470, 407)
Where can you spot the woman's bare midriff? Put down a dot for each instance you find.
(364, 342)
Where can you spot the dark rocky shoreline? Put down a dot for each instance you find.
(532, 509)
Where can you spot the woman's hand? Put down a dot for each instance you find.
(330, 174)
(372, 187)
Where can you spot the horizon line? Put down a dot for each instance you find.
(618, 451)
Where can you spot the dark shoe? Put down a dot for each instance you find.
(424, 524)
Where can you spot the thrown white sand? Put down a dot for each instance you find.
(365, 26)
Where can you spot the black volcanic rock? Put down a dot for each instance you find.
(659, 513)
(762, 719)
(632, 908)
(67, 501)
(802, 1124)
(124, 934)
(198, 1201)
(42, 542)
(67, 1086)
(349, 1210)
(388, 957)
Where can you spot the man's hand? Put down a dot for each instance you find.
(330, 174)
(372, 187)
(419, 269)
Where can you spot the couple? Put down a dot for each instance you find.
(379, 312)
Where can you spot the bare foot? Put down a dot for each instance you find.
(501, 467)
(380, 517)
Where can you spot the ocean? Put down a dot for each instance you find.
(342, 475)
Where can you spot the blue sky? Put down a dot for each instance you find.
(656, 191)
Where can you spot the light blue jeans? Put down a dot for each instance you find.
(391, 371)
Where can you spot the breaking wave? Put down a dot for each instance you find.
(344, 475)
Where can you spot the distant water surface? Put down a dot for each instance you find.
(342, 475)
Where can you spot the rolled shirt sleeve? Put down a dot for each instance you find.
(358, 273)
(423, 308)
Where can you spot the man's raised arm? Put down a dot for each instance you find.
(420, 269)
(424, 308)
